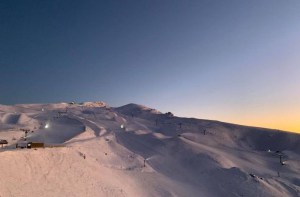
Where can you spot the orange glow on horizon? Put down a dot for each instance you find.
(280, 125)
(283, 124)
(285, 119)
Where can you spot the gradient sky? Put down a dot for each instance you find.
(234, 61)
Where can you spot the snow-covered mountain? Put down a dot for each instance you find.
(92, 149)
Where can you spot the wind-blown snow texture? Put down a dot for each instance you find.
(87, 153)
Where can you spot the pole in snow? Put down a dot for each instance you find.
(145, 161)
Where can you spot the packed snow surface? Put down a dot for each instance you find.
(92, 149)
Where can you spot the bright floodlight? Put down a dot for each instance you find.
(122, 126)
(47, 126)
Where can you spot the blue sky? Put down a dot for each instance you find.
(232, 60)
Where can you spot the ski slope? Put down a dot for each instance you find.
(93, 149)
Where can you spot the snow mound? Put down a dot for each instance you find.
(136, 110)
(12, 118)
